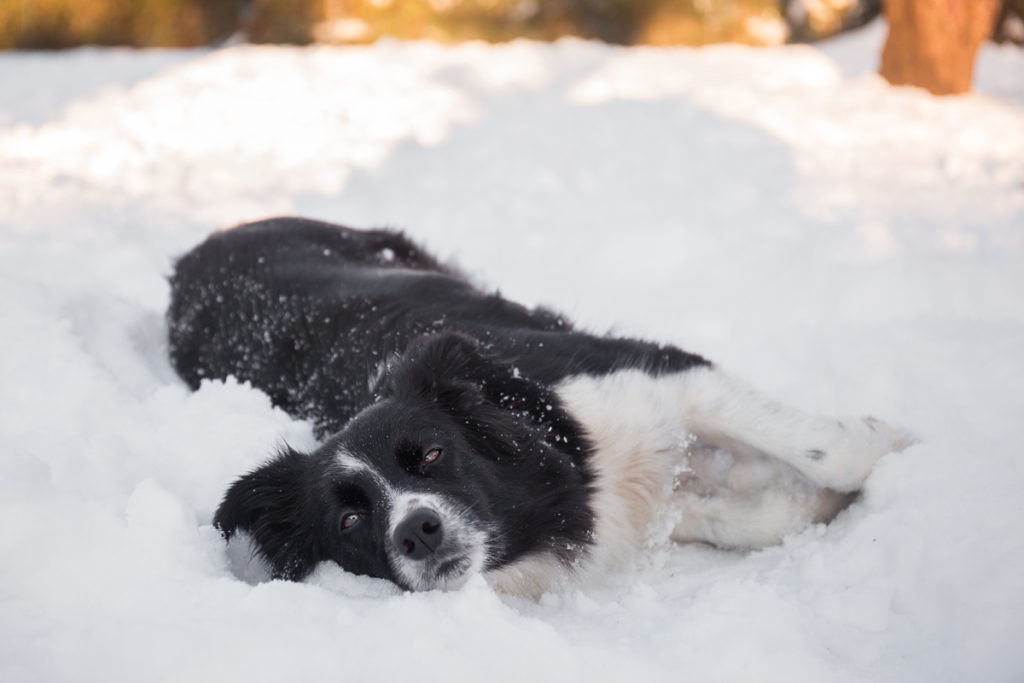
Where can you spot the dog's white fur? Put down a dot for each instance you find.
(706, 458)
(461, 531)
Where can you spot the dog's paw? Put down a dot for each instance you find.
(852, 448)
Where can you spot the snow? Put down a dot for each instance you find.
(848, 247)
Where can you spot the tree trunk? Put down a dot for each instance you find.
(932, 44)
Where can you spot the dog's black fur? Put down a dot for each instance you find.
(394, 356)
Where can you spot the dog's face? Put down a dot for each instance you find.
(453, 471)
(410, 499)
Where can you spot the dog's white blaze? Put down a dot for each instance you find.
(715, 456)
(350, 463)
(458, 531)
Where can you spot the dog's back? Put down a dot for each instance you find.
(288, 304)
(305, 241)
(309, 312)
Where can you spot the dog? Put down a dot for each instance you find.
(465, 434)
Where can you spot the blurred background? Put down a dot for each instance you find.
(49, 24)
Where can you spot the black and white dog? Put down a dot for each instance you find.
(466, 434)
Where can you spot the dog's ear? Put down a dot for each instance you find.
(445, 367)
(269, 504)
(469, 380)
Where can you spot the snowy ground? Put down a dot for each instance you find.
(845, 246)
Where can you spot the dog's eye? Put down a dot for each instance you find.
(431, 456)
(350, 520)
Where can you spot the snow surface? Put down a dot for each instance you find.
(848, 247)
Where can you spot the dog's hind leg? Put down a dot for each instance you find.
(639, 425)
(832, 453)
(752, 519)
(630, 408)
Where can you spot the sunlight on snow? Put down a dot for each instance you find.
(904, 146)
(291, 121)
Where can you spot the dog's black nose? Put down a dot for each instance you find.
(419, 534)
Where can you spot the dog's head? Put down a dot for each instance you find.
(460, 466)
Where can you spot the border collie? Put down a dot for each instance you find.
(463, 433)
